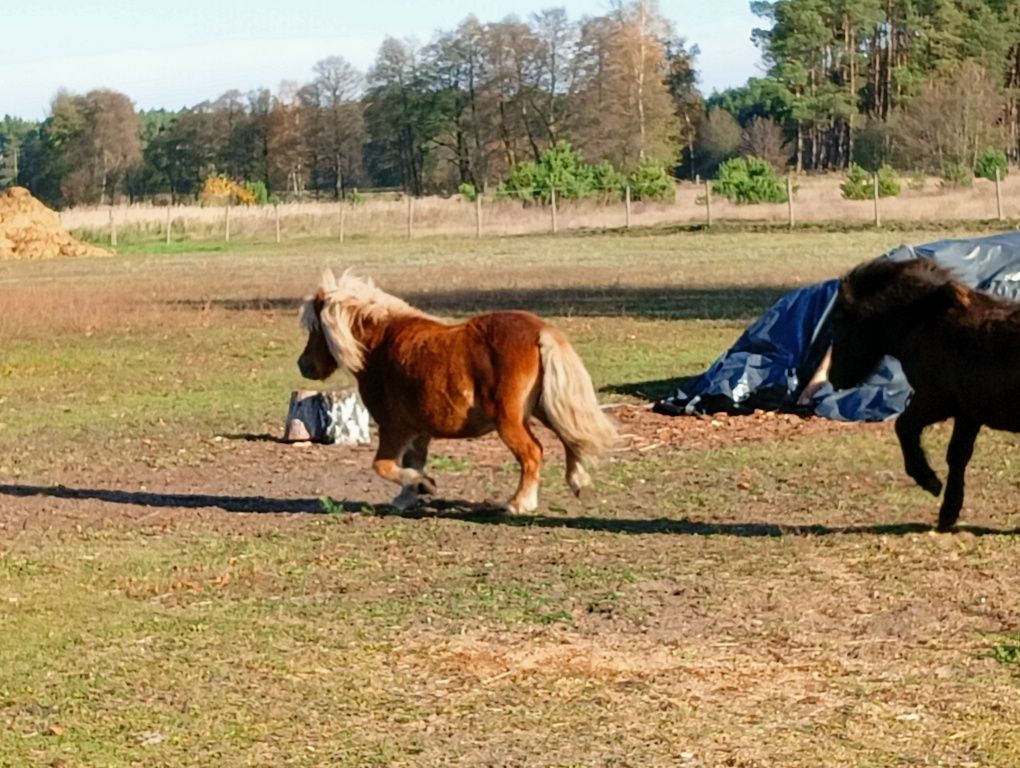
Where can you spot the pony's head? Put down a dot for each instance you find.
(877, 302)
(338, 318)
(318, 361)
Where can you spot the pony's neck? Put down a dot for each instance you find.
(368, 330)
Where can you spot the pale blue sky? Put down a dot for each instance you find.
(177, 53)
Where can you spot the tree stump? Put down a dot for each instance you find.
(327, 417)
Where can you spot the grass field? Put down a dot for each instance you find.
(764, 591)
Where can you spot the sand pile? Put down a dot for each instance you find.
(30, 230)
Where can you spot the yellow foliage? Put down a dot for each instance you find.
(217, 189)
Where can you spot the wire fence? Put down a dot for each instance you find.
(811, 201)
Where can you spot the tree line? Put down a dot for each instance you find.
(464, 108)
(926, 85)
(923, 85)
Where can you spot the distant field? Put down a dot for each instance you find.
(817, 200)
(752, 592)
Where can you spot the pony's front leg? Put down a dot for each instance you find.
(961, 448)
(909, 426)
(389, 465)
(416, 456)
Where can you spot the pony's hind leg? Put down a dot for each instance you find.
(577, 477)
(909, 426)
(528, 452)
(390, 465)
(513, 430)
(961, 448)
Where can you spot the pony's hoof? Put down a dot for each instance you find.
(947, 521)
(931, 484)
(578, 481)
(520, 506)
(406, 499)
(427, 486)
(584, 492)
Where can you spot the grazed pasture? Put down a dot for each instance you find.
(739, 592)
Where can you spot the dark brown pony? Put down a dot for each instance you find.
(959, 348)
(422, 378)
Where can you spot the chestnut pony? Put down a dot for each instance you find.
(422, 378)
(960, 352)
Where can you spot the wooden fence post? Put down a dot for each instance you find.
(113, 230)
(552, 193)
(169, 223)
(226, 223)
(626, 200)
(789, 199)
(708, 204)
(410, 216)
(342, 222)
(478, 214)
(998, 194)
(878, 218)
(276, 215)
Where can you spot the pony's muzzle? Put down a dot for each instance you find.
(308, 369)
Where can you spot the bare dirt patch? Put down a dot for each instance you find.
(291, 478)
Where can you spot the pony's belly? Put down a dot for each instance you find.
(474, 426)
(1007, 422)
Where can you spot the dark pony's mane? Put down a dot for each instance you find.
(881, 286)
(887, 289)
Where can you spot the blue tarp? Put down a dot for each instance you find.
(776, 355)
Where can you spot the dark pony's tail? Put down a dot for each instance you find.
(568, 398)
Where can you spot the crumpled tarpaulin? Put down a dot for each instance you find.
(774, 358)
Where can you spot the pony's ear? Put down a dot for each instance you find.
(328, 280)
(846, 293)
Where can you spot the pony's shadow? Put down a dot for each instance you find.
(246, 504)
(487, 514)
(475, 513)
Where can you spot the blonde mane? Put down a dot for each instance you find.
(348, 304)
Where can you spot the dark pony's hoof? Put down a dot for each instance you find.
(427, 486)
(931, 484)
(947, 520)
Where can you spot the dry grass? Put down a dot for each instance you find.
(648, 274)
(818, 200)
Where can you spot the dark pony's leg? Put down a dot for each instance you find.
(961, 447)
(908, 429)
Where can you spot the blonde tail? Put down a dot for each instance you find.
(568, 398)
